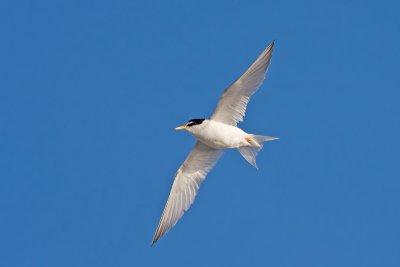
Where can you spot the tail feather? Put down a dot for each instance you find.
(260, 139)
(250, 152)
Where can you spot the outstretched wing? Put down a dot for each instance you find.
(186, 183)
(231, 107)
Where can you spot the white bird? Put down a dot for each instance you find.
(213, 136)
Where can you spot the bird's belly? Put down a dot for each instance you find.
(221, 138)
(215, 143)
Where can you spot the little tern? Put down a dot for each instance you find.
(213, 136)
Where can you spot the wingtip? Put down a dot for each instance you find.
(272, 44)
(269, 48)
(155, 238)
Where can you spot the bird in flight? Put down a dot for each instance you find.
(213, 136)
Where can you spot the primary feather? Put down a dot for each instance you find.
(186, 183)
(231, 107)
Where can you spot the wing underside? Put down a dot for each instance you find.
(232, 105)
(186, 184)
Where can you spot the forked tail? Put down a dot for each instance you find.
(256, 144)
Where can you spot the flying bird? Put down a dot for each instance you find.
(213, 136)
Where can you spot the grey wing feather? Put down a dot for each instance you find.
(186, 183)
(232, 105)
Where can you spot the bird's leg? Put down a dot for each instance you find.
(250, 140)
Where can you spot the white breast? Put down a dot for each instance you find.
(219, 135)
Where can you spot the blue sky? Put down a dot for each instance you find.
(90, 93)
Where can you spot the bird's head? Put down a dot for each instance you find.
(190, 125)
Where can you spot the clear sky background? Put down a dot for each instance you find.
(90, 92)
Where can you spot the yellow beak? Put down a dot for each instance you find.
(183, 127)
